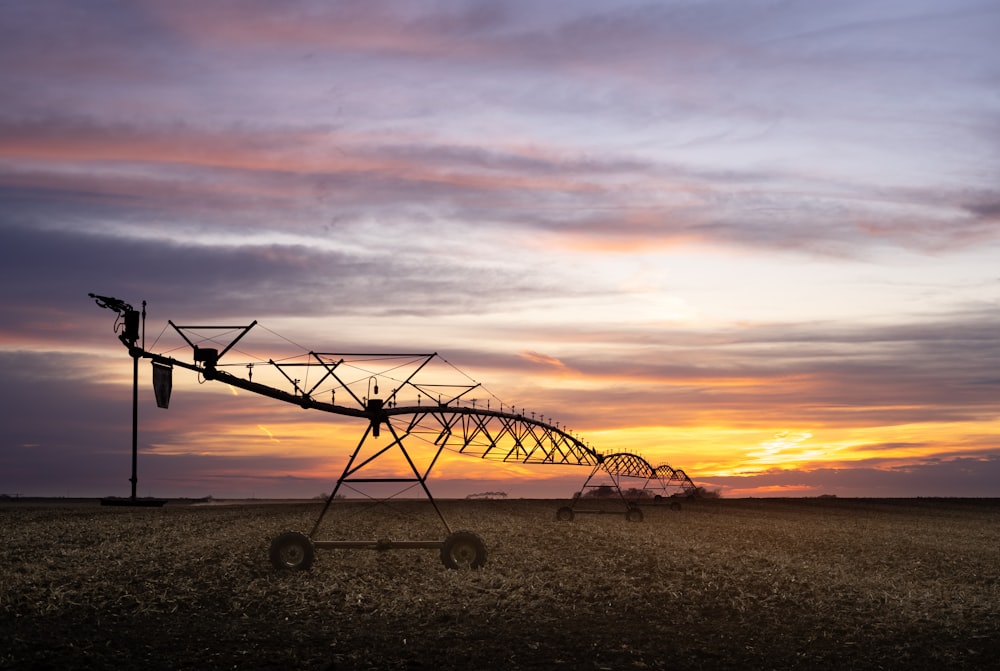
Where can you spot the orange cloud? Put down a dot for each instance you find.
(545, 360)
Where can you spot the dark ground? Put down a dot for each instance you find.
(729, 584)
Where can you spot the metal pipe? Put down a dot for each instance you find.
(135, 422)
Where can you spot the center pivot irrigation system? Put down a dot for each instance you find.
(420, 416)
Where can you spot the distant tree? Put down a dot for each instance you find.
(600, 492)
(324, 496)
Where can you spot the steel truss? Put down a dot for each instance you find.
(607, 483)
(422, 419)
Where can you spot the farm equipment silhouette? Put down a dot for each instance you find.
(428, 417)
(605, 483)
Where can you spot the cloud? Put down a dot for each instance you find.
(206, 280)
(959, 477)
(544, 360)
(443, 188)
(710, 124)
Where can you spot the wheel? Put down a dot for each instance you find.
(292, 551)
(463, 549)
(633, 515)
(564, 514)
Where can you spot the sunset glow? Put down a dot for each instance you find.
(740, 238)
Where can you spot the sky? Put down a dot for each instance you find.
(755, 240)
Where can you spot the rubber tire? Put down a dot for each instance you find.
(565, 514)
(633, 515)
(292, 551)
(463, 549)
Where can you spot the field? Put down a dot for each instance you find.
(721, 584)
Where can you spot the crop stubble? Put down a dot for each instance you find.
(727, 584)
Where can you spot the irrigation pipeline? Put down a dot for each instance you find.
(501, 435)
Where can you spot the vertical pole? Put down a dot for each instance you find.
(135, 421)
(135, 401)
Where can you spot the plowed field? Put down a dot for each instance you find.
(724, 584)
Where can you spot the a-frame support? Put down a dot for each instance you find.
(356, 463)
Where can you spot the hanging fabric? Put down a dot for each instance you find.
(162, 383)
